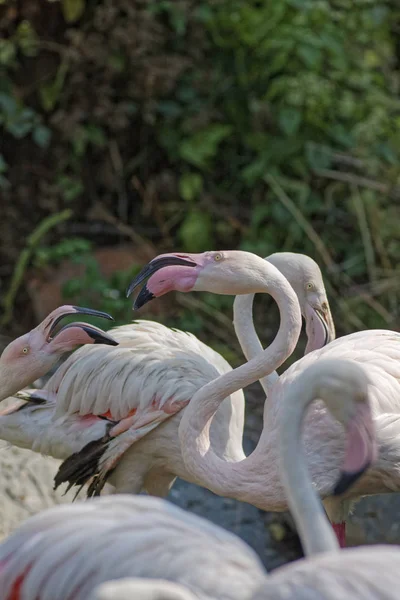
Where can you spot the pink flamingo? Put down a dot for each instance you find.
(87, 550)
(256, 479)
(95, 402)
(33, 354)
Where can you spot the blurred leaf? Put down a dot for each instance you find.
(202, 147)
(8, 105)
(317, 157)
(190, 186)
(196, 232)
(41, 136)
(7, 52)
(289, 120)
(26, 38)
(70, 187)
(310, 55)
(72, 9)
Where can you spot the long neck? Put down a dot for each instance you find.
(9, 384)
(233, 478)
(315, 531)
(247, 336)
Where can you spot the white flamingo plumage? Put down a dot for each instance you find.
(35, 353)
(152, 376)
(256, 479)
(133, 395)
(68, 551)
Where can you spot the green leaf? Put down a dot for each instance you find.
(41, 136)
(72, 9)
(27, 38)
(310, 55)
(318, 157)
(70, 187)
(8, 105)
(196, 232)
(202, 147)
(190, 186)
(7, 52)
(50, 92)
(289, 120)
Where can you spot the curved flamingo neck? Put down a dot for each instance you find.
(8, 382)
(237, 479)
(306, 507)
(247, 336)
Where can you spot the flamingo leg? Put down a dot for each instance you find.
(340, 530)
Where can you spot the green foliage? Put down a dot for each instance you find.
(233, 123)
(92, 288)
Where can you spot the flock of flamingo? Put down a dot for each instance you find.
(143, 404)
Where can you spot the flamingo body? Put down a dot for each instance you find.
(256, 479)
(68, 551)
(149, 380)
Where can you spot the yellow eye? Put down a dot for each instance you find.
(218, 256)
(25, 350)
(310, 286)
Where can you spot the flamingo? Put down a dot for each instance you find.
(93, 400)
(153, 372)
(69, 551)
(24, 360)
(256, 479)
(305, 277)
(33, 354)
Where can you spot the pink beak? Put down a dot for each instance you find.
(161, 262)
(80, 333)
(319, 328)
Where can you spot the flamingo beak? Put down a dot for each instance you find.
(145, 295)
(48, 326)
(320, 328)
(84, 334)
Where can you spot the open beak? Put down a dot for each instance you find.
(48, 326)
(320, 328)
(95, 335)
(152, 267)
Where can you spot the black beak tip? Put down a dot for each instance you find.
(143, 298)
(155, 265)
(100, 337)
(346, 480)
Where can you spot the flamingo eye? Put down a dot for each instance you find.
(218, 256)
(310, 286)
(25, 350)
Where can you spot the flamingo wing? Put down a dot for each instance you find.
(97, 459)
(152, 377)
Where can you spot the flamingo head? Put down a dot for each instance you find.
(304, 275)
(220, 272)
(346, 395)
(33, 354)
